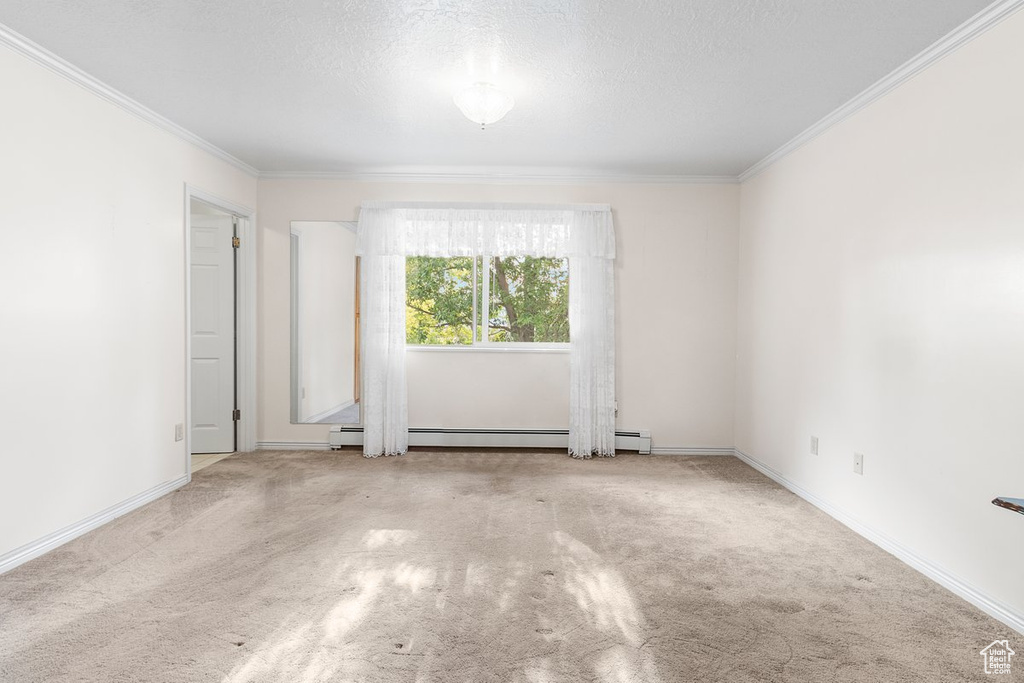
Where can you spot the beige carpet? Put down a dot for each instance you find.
(494, 566)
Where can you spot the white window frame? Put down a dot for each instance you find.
(481, 318)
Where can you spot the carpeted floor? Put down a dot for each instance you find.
(493, 566)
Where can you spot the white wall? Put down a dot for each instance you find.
(675, 308)
(327, 280)
(496, 390)
(881, 308)
(92, 354)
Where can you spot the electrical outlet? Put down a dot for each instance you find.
(179, 432)
(858, 463)
(814, 445)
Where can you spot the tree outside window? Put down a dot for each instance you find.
(465, 300)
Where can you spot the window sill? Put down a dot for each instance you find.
(490, 348)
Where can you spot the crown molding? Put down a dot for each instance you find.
(967, 31)
(43, 57)
(447, 175)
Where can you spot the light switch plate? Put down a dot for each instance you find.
(858, 463)
(814, 445)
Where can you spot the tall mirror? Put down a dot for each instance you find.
(325, 323)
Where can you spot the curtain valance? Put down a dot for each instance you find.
(430, 229)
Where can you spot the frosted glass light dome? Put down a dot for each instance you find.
(484, 103)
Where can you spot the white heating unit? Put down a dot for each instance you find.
(489, 438)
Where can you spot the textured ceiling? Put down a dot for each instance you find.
(694, 87)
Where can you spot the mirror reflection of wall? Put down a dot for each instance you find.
(324, 334)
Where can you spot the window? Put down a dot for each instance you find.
(439, 300)
(493, 300)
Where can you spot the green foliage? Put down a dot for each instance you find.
(529, 299)
(438, 300)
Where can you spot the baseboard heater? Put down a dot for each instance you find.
(492, 438)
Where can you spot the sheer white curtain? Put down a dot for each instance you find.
(591, 357)
(583, 233)
(384, 397)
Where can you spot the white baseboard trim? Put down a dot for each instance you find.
(47, 543)
(692, 450)
(941, 576)
(354, 437)
(330, 411)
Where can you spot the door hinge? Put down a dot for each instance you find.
(236, 414)
(236, 242)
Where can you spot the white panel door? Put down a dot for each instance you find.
(213, 335)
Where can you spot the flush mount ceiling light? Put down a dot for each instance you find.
(483, 103)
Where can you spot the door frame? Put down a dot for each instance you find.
(245, 321)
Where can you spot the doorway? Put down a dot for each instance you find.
(219, 333)
(212, 362)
